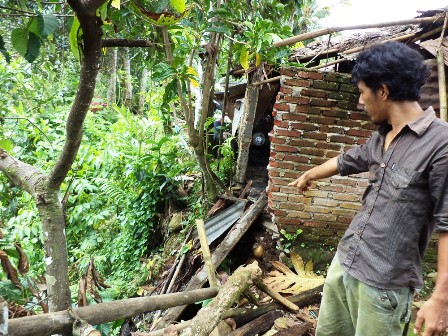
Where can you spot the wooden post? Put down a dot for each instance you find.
(245, 131)
(206, 253)
(441, 73)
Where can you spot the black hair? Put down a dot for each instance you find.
(394, 64)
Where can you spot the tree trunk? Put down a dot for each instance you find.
(112, 91)
(142, 94)
(56, 258)
(245, 132)
(128, 96)
(209, 317)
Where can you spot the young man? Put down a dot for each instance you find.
(371, 281)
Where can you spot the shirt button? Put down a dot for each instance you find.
(383, 165)
(358, 232)
(377, 187)
(369, 210)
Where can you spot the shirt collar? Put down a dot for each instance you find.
(422, 122)
(418, 125)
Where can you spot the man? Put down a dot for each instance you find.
(370, 283)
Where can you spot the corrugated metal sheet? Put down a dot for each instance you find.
(215, 226)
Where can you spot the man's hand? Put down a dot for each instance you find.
(434, 315)
(302, 183)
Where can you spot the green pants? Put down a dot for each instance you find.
(350, 307)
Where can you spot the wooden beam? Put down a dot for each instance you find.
(326, 31)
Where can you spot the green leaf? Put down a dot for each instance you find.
(178, 5)
(4, 51)
(244, 58)
(19, 39)
(6, 144)
(33, 48)
(102, 11)
(75, 35)
(115, 4)
(223, 30)
(33, 25)
(47, 25)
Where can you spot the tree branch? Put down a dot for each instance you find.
(91, 48)
(21, 174)
(110, 43)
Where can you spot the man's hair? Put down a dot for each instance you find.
(394, 64)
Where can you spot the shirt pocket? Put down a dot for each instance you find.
(406, 184)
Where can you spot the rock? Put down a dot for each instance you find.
(175, 223)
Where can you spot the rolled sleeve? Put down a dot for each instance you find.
(438, 185)
(354, 161)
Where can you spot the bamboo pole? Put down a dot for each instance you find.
(269, 80)
(326, 31)
(441, 72)
(206, 254)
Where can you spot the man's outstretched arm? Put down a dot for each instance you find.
(326, 169)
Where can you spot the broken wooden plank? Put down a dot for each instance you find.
(297, 330)
(211, 273)
(61, 322)
(220, 253)
(302, 299)
(209, 317)
(276, 296)
(259, 325)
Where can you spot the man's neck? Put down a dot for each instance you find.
(402, 113)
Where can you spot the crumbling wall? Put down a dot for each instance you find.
(316, 118)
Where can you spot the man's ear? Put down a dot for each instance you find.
(384, 92)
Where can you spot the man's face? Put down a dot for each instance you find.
(373, 103)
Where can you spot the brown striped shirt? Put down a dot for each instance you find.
(405, 201)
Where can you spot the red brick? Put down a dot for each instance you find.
(344, 220)
(370, 126)
(331, 154)
(317, 209)
(328, 218)
(288, 221)
(296, 100)
(297, 82)
(349, 123)
(296, 158)
(288, 133)
(326, 145)
(334, 188)
(302, 109)
(281, 107)
(299, 214)
(314, 110)
(282, 124)
(344, 181)
(274, 113)
(302, 143)
(288, 72)
(344, 212)
(292, 206)
(274, 173)
(314, 135)
(322, 120)
(325, 202)
(332, 129)
(314, 93)
(288, 190)
(277, 140)
(359, 116)
(279, 181)
(296, 117)
(335, 113)
(311, 74)
(342, 138)
(281, 165)
(318, 161)
(322, 102)
(346, 197)
(279, 197)
(286, 90)
(316, 193)
(292, 175)
(303, 126)
(354, 206)
(361, 141)
(281, 213)
(359, 133)
(274, 188)
(312, 151)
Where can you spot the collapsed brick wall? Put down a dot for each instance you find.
(316, 118)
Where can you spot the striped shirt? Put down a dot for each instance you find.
(405, 201)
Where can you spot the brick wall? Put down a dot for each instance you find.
(316, 118)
